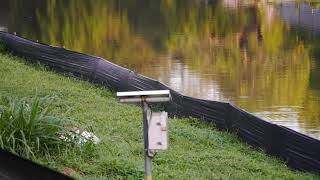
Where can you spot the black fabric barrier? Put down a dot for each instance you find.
(299, 151)
(13, 167)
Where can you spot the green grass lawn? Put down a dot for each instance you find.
(197, 150)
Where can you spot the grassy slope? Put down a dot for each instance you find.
(197, 151)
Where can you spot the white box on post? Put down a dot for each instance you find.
(158, 131)
(155, 125)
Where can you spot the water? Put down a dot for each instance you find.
(262, 57)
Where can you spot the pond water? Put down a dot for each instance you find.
(265, 58)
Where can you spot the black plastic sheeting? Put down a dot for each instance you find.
(13, 167)
(297, 150)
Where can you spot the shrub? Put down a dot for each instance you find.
(28, 128)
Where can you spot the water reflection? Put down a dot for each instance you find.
(250, 53)
(301, 15)
(3, 16)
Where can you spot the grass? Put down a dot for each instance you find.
(197, 150)
(28, 129)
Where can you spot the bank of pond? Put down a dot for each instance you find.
(197, 150)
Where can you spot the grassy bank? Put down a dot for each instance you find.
(197, 151)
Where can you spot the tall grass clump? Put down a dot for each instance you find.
(2, 47)
(28, 128)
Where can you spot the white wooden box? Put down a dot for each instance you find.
(158, 131)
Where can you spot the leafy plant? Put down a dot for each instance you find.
(28, 128)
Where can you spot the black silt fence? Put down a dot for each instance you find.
(297, 150)
(13, 167)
